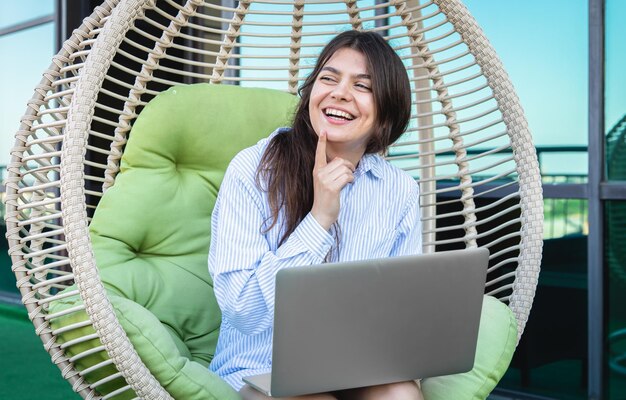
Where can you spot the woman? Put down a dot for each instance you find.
(314, 193)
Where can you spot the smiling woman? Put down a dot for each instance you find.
(319, 191)
(377, 126)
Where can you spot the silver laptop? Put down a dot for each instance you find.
(354, 324)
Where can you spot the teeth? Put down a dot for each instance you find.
(338, 113)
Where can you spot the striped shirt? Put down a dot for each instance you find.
(379, 217)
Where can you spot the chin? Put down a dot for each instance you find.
(336, 137)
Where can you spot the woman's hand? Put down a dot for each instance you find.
(328, 180)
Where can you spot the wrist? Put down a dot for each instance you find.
(322, 220)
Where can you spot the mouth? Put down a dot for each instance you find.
(338, 115)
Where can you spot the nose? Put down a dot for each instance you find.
(341, 91)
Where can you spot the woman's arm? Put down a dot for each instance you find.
(241, 262)
(409, 240)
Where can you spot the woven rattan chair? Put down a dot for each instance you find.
(468, 144)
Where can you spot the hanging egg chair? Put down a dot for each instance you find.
(108, 227)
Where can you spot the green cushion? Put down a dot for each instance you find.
(497, 338)
(151, 230)
(159, 350)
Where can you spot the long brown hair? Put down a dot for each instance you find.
(286, 167)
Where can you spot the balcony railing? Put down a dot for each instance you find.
(562, 216)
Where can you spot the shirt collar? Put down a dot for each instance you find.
(370, 163)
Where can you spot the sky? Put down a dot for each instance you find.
(24, 57)
(542, 44)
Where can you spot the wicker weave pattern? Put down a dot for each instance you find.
(468, 143)
(531, 200)
(447, 109)
(139, 87)
(74, 212)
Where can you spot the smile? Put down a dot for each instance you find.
(338, 114)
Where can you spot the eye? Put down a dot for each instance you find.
(327, 78)
(363, 86)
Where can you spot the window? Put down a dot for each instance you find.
(27, 37)
(544, 48)
(615, 210)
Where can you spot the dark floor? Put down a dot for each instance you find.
(26, 372)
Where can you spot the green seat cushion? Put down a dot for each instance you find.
(497, 338)
(151, 231)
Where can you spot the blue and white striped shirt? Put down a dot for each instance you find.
(379, 217)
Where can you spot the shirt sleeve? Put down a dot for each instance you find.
(409, 239)
(241, 261)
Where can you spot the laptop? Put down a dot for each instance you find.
(362, 323)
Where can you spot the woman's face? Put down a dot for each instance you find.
(342, 103)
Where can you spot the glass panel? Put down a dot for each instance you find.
(615, 96)
(551, 357)
(15, 12)
(548, 67)
(615, 211)
(31, 52)
(616, 264)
